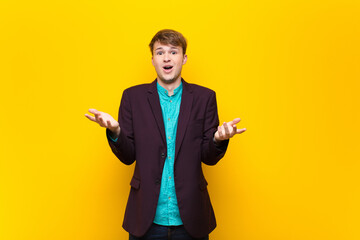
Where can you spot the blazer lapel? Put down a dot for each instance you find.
(153, 98)
(184, 115)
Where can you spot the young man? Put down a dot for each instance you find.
(168, 127)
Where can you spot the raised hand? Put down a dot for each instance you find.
(104, 120)
(228, 130)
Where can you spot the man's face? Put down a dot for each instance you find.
(168, 61)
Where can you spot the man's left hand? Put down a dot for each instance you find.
(228, 130)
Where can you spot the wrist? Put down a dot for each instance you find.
(217, 142)
(115, 132)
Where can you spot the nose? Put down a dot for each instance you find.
(166, 57)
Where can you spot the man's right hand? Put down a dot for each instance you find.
(105, 120)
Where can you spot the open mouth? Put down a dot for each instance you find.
(167, 67)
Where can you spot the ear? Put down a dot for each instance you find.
(184, 59)
(152, 61)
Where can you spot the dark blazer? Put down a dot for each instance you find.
(142, 139)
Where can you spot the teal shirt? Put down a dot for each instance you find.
(167, 211)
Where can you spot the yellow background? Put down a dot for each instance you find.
(289, 69)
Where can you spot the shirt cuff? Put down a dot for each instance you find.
(109, 135)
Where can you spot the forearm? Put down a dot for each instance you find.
(122, 147)
(213, 151)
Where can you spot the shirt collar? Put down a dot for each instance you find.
(162, 91)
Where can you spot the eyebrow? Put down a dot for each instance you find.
(159, 48)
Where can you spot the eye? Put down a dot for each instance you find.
(173, 52)
(159, 53)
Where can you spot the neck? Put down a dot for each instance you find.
(170, 86)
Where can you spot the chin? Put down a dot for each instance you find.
(168, 80)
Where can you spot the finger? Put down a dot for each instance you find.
(220, 132)
(93, 110)
(101, 122)
(97, 116)
(108, 124)
(90, 117)
(227, 131)
(235, 121)
(238, 131)
(234, 130)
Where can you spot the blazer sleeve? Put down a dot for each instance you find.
(123, 147)
(211, 152)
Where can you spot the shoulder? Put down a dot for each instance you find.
(137, 88)
(201, 90)
(139, 91)
(135, 94)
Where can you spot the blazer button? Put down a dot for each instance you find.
(157, 181)
(162, 155)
